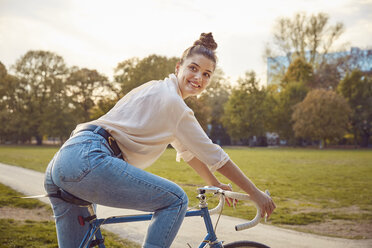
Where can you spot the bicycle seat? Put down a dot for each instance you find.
(70, 198)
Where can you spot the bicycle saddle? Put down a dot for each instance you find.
(70, 198)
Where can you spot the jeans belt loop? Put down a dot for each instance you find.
(97, 129)
(103, 133)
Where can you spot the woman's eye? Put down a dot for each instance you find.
(207, 75)
(192, 68)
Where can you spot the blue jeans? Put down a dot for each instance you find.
(86, 168)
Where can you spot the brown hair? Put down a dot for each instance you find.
(205, 46)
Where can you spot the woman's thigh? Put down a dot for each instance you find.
(87, 170)
(119, 184)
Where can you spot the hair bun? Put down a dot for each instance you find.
(206, 40)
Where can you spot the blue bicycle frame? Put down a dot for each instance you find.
(94, 228)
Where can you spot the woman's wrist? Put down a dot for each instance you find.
(214, 182)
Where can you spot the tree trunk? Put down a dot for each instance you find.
(323, 144)
(365, 139)
(39, 140)
(356, 143)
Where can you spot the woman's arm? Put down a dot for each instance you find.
(233, 172)
(204, 172)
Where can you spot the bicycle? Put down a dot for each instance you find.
(93, 237)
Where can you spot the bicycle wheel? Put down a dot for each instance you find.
(245, 243)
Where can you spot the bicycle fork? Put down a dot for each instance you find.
(211, 237)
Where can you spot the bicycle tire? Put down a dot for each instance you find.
(245, 243)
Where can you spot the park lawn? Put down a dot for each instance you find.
(308, 185)
(35, 233)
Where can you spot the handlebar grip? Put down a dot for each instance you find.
(251, 223)
(255, 220)
(238, 196)
(219, 207)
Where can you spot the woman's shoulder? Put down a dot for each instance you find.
(159, 94)
(169, 90)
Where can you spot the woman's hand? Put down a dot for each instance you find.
(233, 172)
(264, 201)
(229, 201)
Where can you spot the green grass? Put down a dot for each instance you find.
(308, 185)
(31, 157)
(37, 234)
(10, 198)
(323, 181)
(27, 234)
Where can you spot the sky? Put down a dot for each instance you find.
(99, 34)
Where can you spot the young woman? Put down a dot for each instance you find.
(103, 160)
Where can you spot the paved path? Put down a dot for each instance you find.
(30, 182)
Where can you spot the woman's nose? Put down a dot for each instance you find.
(198, 76)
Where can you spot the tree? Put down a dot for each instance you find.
(357, 59)
(87, 87)
(133, 72)
(356, 87)
(322, 115)
(3, 71)
(307, 37)
(292, 90)
(214, 97)
(285, 100)
(201, 111)
(102, 107)
(59, 117)
(13, 122)
(299, 71)
(245, 112)
(42, 74)
(326, 76)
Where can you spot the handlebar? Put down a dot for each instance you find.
(237, 196)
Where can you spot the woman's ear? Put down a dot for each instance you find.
(177, 68)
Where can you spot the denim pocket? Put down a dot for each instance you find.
(72, 162)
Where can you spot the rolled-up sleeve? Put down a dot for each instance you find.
(182, 152)
(191, 141)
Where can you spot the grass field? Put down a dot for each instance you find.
(309, 186)
(36, 234)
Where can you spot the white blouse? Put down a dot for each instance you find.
(152, 116)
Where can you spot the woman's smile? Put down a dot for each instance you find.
(195, 85)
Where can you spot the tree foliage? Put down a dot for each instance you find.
(215, 96)
(245, 111)
(133, 72)
(201, 111)
(42, 75)
(299, 71)
(13, 119)
(285, 100)
(326, 76)
(322, 115)
(102, 107)
(86, 87)
(356, 87)
(293, 89)
(357, 59)
(46, 98)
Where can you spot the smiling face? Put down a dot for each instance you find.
(194, 74)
